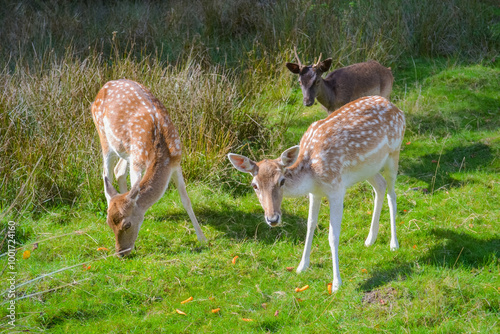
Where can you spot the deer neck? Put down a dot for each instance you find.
(155, 182)
(325, 95)
(299, 180)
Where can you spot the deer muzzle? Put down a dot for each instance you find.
(274, 220)
(308, 102)
(123, 252)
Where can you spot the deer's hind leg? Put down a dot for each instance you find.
(390, 174)
(336, 207)
(186, 202)
(379, 185)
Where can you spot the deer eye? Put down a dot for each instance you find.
(255, 186)
(127, 225)
(282, 182)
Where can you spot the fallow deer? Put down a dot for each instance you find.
(135, 129)
(343, 85)
(360, 141)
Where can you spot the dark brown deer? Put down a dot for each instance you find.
(343, 85)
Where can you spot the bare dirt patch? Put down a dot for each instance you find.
(379, 296)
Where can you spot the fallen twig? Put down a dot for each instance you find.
(49, 290)
(63, 269)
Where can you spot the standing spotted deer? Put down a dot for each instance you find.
(343, 85)
(351, 145)
(135, 129)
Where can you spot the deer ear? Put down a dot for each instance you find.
(109, 189)
(243, 164)
(324, 66)
(294, 68)
(290, 156)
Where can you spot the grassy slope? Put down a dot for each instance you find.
(445, 277)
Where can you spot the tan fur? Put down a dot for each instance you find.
(360, 141)
(135, 128)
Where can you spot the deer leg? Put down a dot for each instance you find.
(121, 175)
(186, 202)
(108, 159)
(336, 209)
(135, 172)
(312, 222)
(390, 173)
(379, 184)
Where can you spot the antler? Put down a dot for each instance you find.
(297, 56)
(319, 60)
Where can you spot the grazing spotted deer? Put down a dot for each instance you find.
(135, 128)
(343, 85)
(353, 144)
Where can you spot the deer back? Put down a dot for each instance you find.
(132, 122)
(358, 80)
(355, 139)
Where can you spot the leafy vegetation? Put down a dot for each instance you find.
(218, 68)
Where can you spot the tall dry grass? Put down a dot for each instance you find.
(50, 148)
(216, 64)
(223, 31)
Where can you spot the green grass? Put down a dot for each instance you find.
(444, 278)
(218, 68)
(217, 65)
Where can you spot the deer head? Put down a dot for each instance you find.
(309, 77)
(125, 217)
(268, 180)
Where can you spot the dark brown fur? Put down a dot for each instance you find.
(343, 85)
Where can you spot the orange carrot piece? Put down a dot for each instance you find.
(305, 287)
(187, 300)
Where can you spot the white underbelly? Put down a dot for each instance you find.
(366, 170)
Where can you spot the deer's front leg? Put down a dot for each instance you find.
(312, 222)
(108, 158)
(336, 210)
(121, 175)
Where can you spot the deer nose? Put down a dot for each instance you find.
(123, 252)
(308, 102)
(274, 220)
